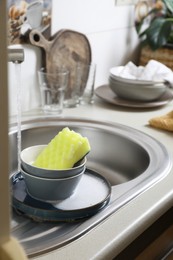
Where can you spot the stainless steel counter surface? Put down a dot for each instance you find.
(110, 237)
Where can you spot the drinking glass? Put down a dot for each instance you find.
(52, 89)
(85, 82)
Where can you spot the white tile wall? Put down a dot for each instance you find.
(109, 50)
(109, 28)
(90, 16)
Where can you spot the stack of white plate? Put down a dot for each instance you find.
(135, 89)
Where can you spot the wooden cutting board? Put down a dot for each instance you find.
(65, 48)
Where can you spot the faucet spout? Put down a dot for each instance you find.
(15, 55)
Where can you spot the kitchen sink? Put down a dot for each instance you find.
(129, 159)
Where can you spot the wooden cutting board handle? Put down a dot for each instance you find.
(37, 39)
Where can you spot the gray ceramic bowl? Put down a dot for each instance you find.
(51, 189)
(29, 155)
(137, 92)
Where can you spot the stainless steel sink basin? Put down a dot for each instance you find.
(131, 160)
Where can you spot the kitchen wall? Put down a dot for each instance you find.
(109, 28)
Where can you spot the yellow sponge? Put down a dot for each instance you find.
(63, 151)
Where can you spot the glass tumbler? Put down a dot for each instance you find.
(52, 89)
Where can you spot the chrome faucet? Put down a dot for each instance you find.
(15, 55)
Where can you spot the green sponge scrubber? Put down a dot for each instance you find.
(63, 151)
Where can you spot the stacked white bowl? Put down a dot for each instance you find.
(137, 83)
(46, 184)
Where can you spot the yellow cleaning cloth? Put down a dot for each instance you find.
(163, 122)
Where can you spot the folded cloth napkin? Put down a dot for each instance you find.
(153, 71)
(163, 122)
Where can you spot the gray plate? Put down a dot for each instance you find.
(92, 195)
(105, 93)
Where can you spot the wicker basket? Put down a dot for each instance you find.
(163, 55)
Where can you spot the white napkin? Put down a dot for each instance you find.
(153, 71)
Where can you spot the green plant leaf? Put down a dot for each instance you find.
(158, 32)
(169, 4)
(139, 24)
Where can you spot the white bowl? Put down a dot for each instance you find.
(136, 91)
(114, 75)
(51, 189)
(28, 156)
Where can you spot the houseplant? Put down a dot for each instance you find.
(155, 31)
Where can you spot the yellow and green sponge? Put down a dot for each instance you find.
(63, 151)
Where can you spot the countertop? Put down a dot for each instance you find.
(109, 238)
